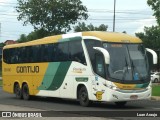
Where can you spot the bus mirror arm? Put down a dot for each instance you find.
(105, 54)
(154, 54)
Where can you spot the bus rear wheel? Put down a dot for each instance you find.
(121, 104)
(25, 92)
(83, 97)
(17, 91)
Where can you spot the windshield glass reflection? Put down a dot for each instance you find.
(127, 61)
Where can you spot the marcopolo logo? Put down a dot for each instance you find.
(79, 70)
(27, 69)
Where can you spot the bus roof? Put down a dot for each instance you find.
(104, 36)
(112, 36)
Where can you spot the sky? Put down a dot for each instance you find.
(131, 16)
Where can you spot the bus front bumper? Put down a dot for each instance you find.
(128, 95)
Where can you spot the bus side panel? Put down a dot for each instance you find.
(78, 74)
(7, 84)
(37, 81)
(8, 77)
(31, 74)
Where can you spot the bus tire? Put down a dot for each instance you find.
(121, 104)
(25, 92)
(83, 97)
(17, 91)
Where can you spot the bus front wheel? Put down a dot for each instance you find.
(17, 91)
(25, 92)
(83, 97)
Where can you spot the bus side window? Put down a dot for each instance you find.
(50, 52)
(56, 53)
(44, 53)
(39, 55)
(30, 54)
(6, 56)
(100, 65)
(76, 52)
(63, 51)
(23, 54)
(14, 56)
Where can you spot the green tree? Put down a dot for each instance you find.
(124, 32)
(54, 16)
(150, 37)
(23, 38)
(83, 27)
(155, 5)
(36, 34)
(2, 44)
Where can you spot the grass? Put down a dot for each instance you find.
(156, 90)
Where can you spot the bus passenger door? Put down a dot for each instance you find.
(99, 69)
(100, 65)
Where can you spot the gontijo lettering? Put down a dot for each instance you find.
(27, 69)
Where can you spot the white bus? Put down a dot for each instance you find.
(85, 66)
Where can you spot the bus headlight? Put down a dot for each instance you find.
(113, 87)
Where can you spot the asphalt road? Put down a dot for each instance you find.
(54, 104)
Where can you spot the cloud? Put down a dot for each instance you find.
(145, 22)
(3, 2)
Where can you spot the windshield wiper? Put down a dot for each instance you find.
(125, 71)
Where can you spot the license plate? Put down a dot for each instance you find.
(134, 97)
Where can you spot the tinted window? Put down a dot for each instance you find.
(100, 65)
(14, 55)
(44, 53)
(76, 52)
(36, 53)
(6, 56)
(90, 44)
(23, 54)
(62, 51)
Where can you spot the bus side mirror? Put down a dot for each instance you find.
(105, 54)
(154, 55)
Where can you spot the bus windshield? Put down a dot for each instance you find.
(128, 62)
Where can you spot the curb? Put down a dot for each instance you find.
(155, 98)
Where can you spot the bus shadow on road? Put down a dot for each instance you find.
(102, 105)
(133, 105)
